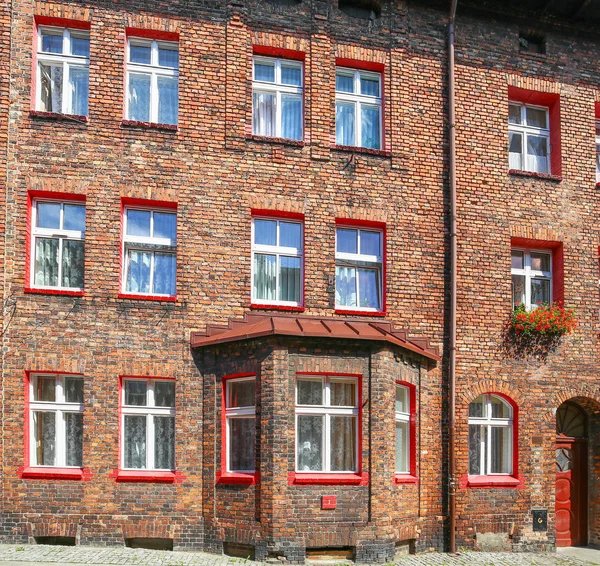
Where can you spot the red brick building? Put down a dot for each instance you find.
(228, 281)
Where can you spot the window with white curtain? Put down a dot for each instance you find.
(148, 424)
(152, 81)
(240, 416)
(277, 261)
(490, 436)
(402, 429)
(57, 245)
(150, 251)
(327, 426)
(528, 138)
(358, 268)
(358, 108)
(63, 61)
(56, 420)
(531, 277)
(597, 151)
(277, 98)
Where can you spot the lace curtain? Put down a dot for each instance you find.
(310, 443)
(401, 447)
(44, 425)
(475, 450)
(263, 114)
(164, 443)
(135, 441)
(345, 286)
(74, 439)
(72, 263)
(46, 262)
(344, 124)
(343, 444)
(139, 97)
(168, 97)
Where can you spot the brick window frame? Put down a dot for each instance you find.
(410, 418)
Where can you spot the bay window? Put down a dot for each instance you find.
(531, 277)
(240, 419)
(528, 138)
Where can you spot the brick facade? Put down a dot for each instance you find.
(217, 173)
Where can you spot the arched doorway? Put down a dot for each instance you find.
(571, 475)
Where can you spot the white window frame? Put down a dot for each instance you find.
(526, 130)
(402, 417)
(154, 70)
(138, 243)
(364, 261)
(597, 151)
(278, 251)
(530, 273)
(149, 411)
(277, 88)
(327, 410)
(236, 412)
(56, 234)
(59, 407)
(65, 59)
(361, 99)
(487, 423)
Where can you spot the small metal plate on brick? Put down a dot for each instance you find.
(540, 520)
(328, 502)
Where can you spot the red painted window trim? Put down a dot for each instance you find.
(48, 473)
(151, 34)
(406, 479)
(277, 213)
(376, 225)
(411, 476)
(552, 102)
(138, 297)
(302, 478)
(61, 22)
(361, 65)
(285, 308)
(149, 125)
(146, 476)
(237, 478)
(279, 52)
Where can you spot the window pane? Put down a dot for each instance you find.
(475, 450)
(310, 443)
(48, 215)
(370, 243)
(242, 441)
(291, 75)
(344, 123)
(289, 278)
(477, 407)
(79, 86)
(164, 274)
(290, 235)
(265, 232)
(74, 439)
(518, 288)
(164, 394)
(516, 259)
(540, 291)
(138, 271)
(138, 223)
(74, 217)
(346, 241)
(540, 261)
(168, 99)
(343, 393)
(45, 389)
(343, 444)
(135, 393)
(44, 434)
(52, 42)
(369, 86)
(241, 393)
(46, 262)
(264, 72)
(369, 293)
(402, 399)
(168, 57)
(500, 409)
(371, 137)
(265, 274)
(514, 114)
(501, 450)
(139, 97)
(164, 443)
(402, 447)
(51, 87)
(537, 154)
(135, 441)
(536, 117)
(345, 286)
(73, 264)
(515, 149)
(73, 389)
(310, 392)
(344, 83)
(165, 226)
(263, 114)
(140, 54)
(80, 46)
(291, 117)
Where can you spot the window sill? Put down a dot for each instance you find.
(547, 176)
(279, 141)
(359, 312)
(301, 478)
(146, 476)
(59, 117)
(149, 125)
(147, 297)
(287, 308)
(598, 185)
(43, 473)
(405, 479)
(500, 480)
(238, 478)
(66, 292)
(364, 150)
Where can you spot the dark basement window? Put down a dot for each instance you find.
(361, 9)
(532, 43)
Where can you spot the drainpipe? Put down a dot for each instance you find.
(452, 368)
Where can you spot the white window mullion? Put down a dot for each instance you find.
(66, 95)
(150, 441)
(327, 443)
(61, 449)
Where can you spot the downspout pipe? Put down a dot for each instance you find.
(452, 484)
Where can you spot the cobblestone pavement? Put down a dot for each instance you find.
(21, 555)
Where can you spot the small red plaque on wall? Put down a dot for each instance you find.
(328, 502)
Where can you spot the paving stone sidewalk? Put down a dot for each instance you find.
(21, 555)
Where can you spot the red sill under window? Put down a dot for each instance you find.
(147, 476)
(365, 150)
(495, 481)
(238, 478)
(598, 185)
(55, 292)
(301, 478)
(547, 176)
(405, 479)
(149, 125)
(60, 117)
(147, 297)
(54, 473)
(280, 141)
(287, 308)
(359, 312)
